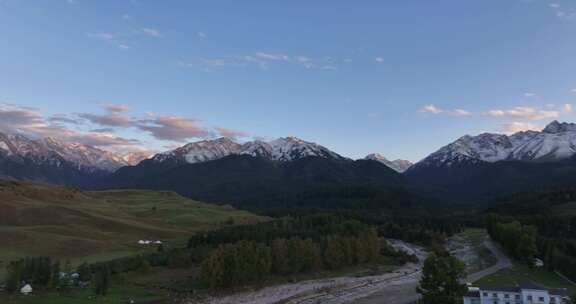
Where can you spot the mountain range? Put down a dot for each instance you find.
(53, 161)
(471, 166)
(490, 164)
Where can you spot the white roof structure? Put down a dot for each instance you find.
(27, 289)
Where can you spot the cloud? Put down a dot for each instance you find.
(261, 60)
(202, 35)
(514, 127)
(30, 121)
(106, 36)
(379, 59)
(573, 91)
(173, 128)
(432, 109)
(103, 130)
(568, 108)
(460, 112)
(525, 113)
(562, 12)
(271, 56)
(225, 132)
(115, 116)
(79, 127)
(62, 118)
(151, 32)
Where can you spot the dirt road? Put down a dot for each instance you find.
(406, 293)
(503, 262)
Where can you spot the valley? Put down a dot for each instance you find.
(284, 221)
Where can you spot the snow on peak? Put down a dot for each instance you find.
(557, 127)
(557, 141)
(281, 149)
(399, 165)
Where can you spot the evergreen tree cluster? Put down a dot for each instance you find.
(313, 227)
(249, 261)
(517, 239)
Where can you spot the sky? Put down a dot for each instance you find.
(401, 78)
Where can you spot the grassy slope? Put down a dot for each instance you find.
(68, 223)
(521, 273)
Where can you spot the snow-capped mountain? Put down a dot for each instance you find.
(282, 149)
(135, 157)
(50, 151)
(557, 141)
(399, 165)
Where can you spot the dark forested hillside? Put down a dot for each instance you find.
(310, 183)
(481, 180)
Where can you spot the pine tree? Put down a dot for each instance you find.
(102, 280)
(14, 276)
(440, 283)
(55, 281)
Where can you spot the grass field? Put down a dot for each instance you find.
(66, 223)
(521, 273)
(116, 295)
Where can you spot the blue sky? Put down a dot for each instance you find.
(402, 78)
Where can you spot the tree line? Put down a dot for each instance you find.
(248, 261)
(47, 274)
(518, 240)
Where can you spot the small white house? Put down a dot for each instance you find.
(149, 242)
(26, 290)
(538, 262)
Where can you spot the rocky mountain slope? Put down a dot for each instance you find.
(282, 149)
(399, 165)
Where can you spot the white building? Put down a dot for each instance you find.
(526, 293)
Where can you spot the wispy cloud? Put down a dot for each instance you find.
(562, 12)
(152, 32)
(528, 113)
(514, 127)
(30, 121)
(173, 128)
(525, 113)
(434, 110)
(104, 130)
(116, 116)
(261, 60)
(106, 36)
(225, 132)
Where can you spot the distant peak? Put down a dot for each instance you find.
(400, 165)
(376, 156)
(558, 127)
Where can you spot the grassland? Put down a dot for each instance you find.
(116, 295)
(521, 273)
(71, 224)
